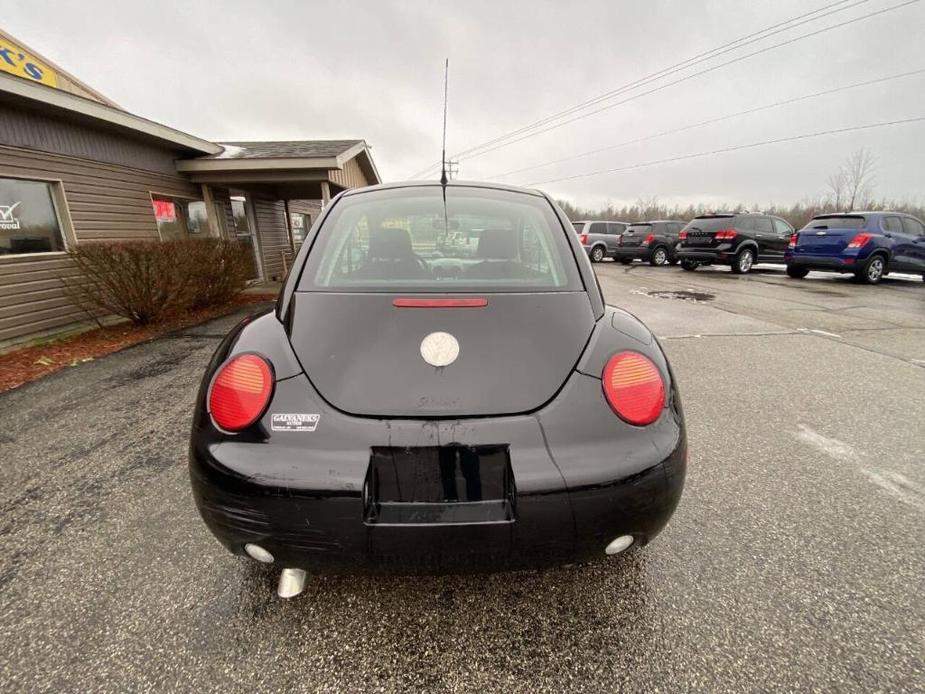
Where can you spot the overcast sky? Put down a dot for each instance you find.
(310, 70)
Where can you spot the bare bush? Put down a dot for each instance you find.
(137, 280)
(145, 280)
(217, 271)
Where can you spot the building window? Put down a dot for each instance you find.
(239, 214)
(301, 223)
(28, 219)
(179, 219)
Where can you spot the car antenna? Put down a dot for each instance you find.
(446, 79)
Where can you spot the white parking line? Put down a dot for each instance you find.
(839, 450)
(893, 483)
(897, 485)
(818, 332)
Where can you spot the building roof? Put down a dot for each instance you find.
(77, 108)
(287, 149)
(58, 78)
(62, 95)
(253, 157)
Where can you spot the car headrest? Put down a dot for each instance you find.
(497, 243)
(390, 244)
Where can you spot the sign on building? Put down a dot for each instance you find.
(16, 61)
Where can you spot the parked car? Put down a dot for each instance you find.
(599, 239)
(654, 241)
(866, 244)
(384, 419)
(736, 239)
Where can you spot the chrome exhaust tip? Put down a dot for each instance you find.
(291, 583)
(619, 544)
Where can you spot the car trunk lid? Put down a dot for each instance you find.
(515, 351)
(635, 234)
(701, 232)
(829, 235)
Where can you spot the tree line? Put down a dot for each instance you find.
(852, 187)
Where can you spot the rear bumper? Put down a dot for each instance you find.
(309, 506)
(704, 256)
(825, 263)
(632, 253)
(324, 532)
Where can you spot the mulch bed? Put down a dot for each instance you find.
(29, 363)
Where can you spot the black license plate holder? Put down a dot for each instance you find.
(439, 485)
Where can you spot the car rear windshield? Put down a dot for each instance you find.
(644, 228)
(578, 226)
(711, 223)
(836, 221)
(415, 239)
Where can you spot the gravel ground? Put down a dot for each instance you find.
(794, 562)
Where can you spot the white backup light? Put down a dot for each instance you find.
(259, 553)
(618, 545)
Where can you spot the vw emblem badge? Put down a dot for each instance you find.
(439, 349)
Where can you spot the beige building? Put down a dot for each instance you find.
(75, 168)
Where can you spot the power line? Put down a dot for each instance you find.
(710, 121)
(696, 74)
(693, 60)
(736, 148)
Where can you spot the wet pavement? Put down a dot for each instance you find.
(794, 562)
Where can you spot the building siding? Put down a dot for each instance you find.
(34, 130)
(351, 176)
(273, 235)
(104, 202)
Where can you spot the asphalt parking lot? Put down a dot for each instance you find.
(794, 562)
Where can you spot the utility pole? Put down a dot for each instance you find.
(452, 168)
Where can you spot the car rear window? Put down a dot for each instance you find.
(578, 226)
(711, 223)
(414, 239)
(643, 228)
(836, 221)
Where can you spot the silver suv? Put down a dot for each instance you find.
(599, 239)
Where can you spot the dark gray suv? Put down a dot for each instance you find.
(654, 241)
(599, 239)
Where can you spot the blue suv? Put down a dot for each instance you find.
(866, 244)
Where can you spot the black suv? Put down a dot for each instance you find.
(736, 239)
(654, 241)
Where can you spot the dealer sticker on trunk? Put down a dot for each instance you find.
(294, 422)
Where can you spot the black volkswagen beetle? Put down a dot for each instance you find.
(440, 388)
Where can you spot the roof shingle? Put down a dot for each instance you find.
(284, 149)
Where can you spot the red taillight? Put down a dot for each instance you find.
(440, 303)
(634, 388)
(682, 235)
(240, 392)
(583, 239)
(793, 241)
(725, 235)
(859, 240)
(649, 239)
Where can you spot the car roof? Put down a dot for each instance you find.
(591, 221)
(659, 221)
(450, 184)
(863, 212)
